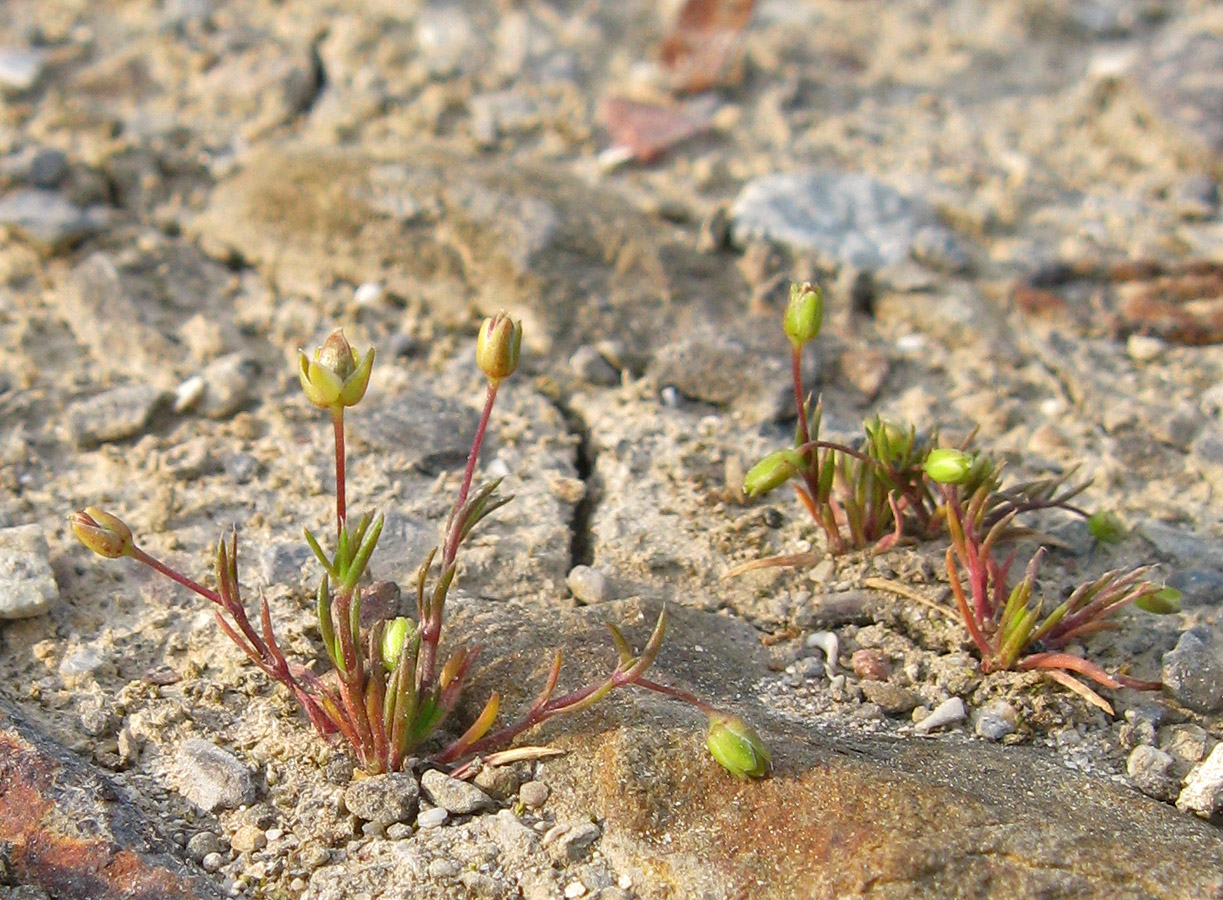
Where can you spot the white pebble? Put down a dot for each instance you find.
(432, 818)
(826, 641)
(588, 585)
(574, 889)
(368, 294)
(1203, 792)
(187, 394)
(948, 712)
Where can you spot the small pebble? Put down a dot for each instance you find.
(113, 415)
(368, 293)
(213, 778)
(203, 843)
(442, 869)
(432, 818)
(248, 839)
(20, 68)
(1144, 348)
(572, 844)
(1151, 771)
(533, 794)
(892, 699)
(871, 664)
(27, 585)
(1193, 670)
(227, 386)
(591, 366)
(588, 585)
(187, 394)
(454, 795)
(949, 712)
(398, 831)
(512, 837)
(1203, 791)
(996, 720)
(574, 889)
(384, 798)
(212, 862)
(826, 641)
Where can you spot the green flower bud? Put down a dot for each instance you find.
(890, 440)
(737, 747)
(948, 466)
(395, 636)
(336, 377)
(1163, 602)
(771, 472)
(804, 313)
(101, 532)
(497, 346)
(1106, 527)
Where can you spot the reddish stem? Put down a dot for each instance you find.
(452, 532)
(341, 510)
(157, 565)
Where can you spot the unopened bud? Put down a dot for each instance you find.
(737, 747)
(1106, 527)
(336, 377)
(948, 466)
(771, 472)
(892, 442)
(1163, 602)
(101, 532)
(395, 636)
(804, 313)
(498, 345)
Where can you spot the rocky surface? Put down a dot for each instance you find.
(1014, 209)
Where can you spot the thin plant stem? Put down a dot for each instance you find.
(796, 365)
(341, 511)
(174, 575)
(452, 533)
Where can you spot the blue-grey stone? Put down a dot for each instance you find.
(851, 218)
(1193, 670)
(46, 219)
(27, 585)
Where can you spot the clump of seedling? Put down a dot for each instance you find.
(388, 691)
(875, 494)
(896, 483)
(1010, 625)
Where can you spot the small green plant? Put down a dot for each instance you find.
(1010, 625)
(388, 691)
(880, 491)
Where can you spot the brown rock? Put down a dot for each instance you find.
(69, 830)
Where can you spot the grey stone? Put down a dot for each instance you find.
(212, 778)
(27, 585)
(949, 712)
(227, 385)
(47, 219)
(113, 415)
(571, 844)
(533, 794)
(1193, 670)
(100, 308)
(1181, 76)
(588, 364)
(48, 168)
(1198, 587)
(1151, 771)
(384, 799)
(432, 818)
(515, 839)
(423, 429)
(850, 218)
(747, 370)
(453, 795)
(20, 69)
(588, 585)
(1203, 791)
(1206, 453)
(202, 843)
(996, 720)
(81, 665)
(287, 563)
(892, 699)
